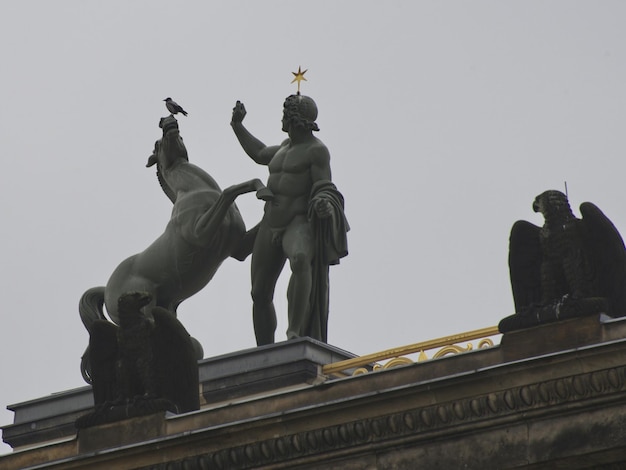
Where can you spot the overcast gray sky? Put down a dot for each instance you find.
(444, 120)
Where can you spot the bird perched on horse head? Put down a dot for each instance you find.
(173, 107)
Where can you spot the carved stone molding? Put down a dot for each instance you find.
(418, 424)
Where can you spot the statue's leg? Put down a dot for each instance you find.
(267, 263)
(299, 247)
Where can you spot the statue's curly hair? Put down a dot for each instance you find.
(301, 111)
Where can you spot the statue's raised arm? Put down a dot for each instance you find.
(256, 150)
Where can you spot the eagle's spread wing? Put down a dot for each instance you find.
(103, 357)
(525, 264)
(606, 248)
(175, 362)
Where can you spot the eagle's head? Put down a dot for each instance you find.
(129, 306)
(552, 204)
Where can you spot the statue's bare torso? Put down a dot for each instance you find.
(290, 181)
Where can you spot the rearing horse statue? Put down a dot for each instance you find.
(205, 228)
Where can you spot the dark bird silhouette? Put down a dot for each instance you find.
(173, 107)
(569, 267)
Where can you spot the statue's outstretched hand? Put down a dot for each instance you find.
(239, 112)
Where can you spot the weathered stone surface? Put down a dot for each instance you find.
(121, 433)
(234, 375)
(483, 409)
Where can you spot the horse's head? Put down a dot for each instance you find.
(169, 149)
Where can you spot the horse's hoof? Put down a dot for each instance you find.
(265, 194)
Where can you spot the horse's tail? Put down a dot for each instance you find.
(90, 309)
(90, 306)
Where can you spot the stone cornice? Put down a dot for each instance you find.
(546, 397)
(526, 402)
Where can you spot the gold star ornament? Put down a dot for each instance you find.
(299, 76)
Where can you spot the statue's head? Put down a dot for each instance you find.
(300, 112)
(551, 202)
(170, 148)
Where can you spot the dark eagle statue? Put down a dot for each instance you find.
(568, 268)
(144, 365)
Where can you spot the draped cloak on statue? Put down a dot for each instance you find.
(331, 244)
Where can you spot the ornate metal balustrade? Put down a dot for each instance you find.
(475, 339)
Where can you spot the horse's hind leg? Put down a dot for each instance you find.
(247, 244)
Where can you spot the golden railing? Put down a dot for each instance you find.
(397, 356)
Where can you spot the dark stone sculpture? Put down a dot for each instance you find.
(568, 268)
(205, 228)
(304, 223)
(147, 364)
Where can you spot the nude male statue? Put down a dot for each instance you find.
(305, 204)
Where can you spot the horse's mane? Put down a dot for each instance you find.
(164, 186)
(190, 177)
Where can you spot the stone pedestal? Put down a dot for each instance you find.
(233, 376)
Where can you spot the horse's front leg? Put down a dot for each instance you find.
(262, 192)
(210, 221)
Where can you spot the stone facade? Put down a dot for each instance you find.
(548, 397)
